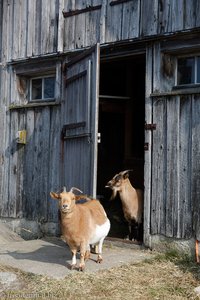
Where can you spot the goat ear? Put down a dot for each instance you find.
(55, 195)
(79, 197)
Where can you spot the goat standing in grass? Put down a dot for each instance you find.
(82, 225)
(132, 201)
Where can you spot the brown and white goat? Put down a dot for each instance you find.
(82, 225)
(132, 201)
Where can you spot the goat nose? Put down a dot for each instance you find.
(65, 206)
(108, 184)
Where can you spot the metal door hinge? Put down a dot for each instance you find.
(150, 126)
(146, 146)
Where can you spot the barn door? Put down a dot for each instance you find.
(80, 122)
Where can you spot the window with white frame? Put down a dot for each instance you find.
(42, 88)
(188, 70)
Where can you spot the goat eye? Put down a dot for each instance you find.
(117, 179)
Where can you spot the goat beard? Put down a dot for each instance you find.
(114, 194)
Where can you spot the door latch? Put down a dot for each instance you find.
(99, 137)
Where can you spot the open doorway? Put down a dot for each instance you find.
(121, 128)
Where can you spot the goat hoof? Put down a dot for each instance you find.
(81, 268)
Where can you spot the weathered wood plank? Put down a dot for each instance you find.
(157, 68)
(1, 21)
(185, 170)
(189, 17)
(130, 19)
(13, 172)
(103, 29)
(196, 165)
(177, 20)
(45, 26)
(114, 22)
(31, 27)
(37, 49)
(148, 139)
(149, 21)
(20, 168)
(5, 144)
(92, 23)
(69, 26)
(54, 164)
(158, 206)
(172, 161)
(197, 13)
(42, 162)
(7, 31)
(61, 26)
(29, 196)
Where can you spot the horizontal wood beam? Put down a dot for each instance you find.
(112, 3)
(80, 11)
(33, 105)
(75, 77)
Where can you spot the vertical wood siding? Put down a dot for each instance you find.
(30, 27)
(34, 167)
(35, 27)
(175, 179)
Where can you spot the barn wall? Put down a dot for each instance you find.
(124, 20)
(36, 27)
(32, 170)
(28, 172)
(32, 28)
(173, 145)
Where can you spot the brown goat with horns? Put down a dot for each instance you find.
(82, 225)
(132, 202)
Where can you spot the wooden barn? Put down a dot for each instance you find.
(89, 88)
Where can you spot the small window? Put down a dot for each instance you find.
(188, 70)
(42, 88)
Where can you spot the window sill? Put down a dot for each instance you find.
(179, 90)
(186, 86)
(33, 104)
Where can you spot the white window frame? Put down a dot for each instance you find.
(42, 77)
(195, 71)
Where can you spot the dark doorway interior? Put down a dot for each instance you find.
(121, 125)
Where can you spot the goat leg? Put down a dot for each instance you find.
(73, 264)
(99, 257)
(87, 254)
(82, 257)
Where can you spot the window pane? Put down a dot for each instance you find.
(49, 87)
(36, 89)
(198, 69)
(186, 70)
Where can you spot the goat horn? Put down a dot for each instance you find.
(64, 189)
(76, 189)
(126, 171)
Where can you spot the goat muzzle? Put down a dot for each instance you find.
(109, 185)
